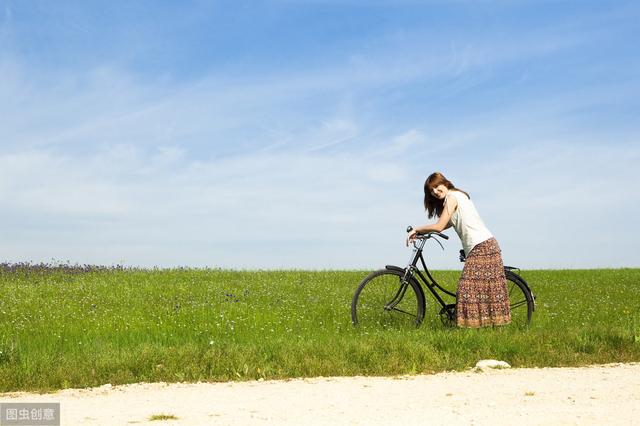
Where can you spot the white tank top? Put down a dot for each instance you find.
(467, 223)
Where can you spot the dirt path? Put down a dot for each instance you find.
(608, 394)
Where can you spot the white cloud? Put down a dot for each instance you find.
(551, 206)
(193, 211)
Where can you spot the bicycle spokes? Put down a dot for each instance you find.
(403, 312)
(402, 289)
(385, 299)
(448, 315)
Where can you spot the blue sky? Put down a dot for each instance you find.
(298, 134)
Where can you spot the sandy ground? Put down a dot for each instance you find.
(607, 394)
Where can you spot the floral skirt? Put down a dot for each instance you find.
(482, 296)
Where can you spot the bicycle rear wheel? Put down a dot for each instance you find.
(520, 300)
(384, 300)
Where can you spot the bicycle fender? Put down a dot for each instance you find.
(394, 268)
(508, 270)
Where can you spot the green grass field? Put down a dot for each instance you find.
(69, 327)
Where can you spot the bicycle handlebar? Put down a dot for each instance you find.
(427, 234)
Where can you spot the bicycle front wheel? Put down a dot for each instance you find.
(384, 300)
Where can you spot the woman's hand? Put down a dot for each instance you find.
(411, 237)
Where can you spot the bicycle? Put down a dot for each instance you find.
(393, 296)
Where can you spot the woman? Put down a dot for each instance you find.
(482, 297)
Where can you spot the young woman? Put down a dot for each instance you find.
(482, 296)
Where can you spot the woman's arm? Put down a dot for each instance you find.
(450, 206)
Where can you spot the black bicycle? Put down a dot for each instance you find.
(393, 296)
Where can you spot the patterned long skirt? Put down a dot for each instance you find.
(482, 296)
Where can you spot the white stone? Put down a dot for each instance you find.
(486, 364)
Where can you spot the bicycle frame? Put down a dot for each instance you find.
(412, 270)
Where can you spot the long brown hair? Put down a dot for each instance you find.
(432, 205)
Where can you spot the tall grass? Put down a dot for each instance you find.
(75, 327)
